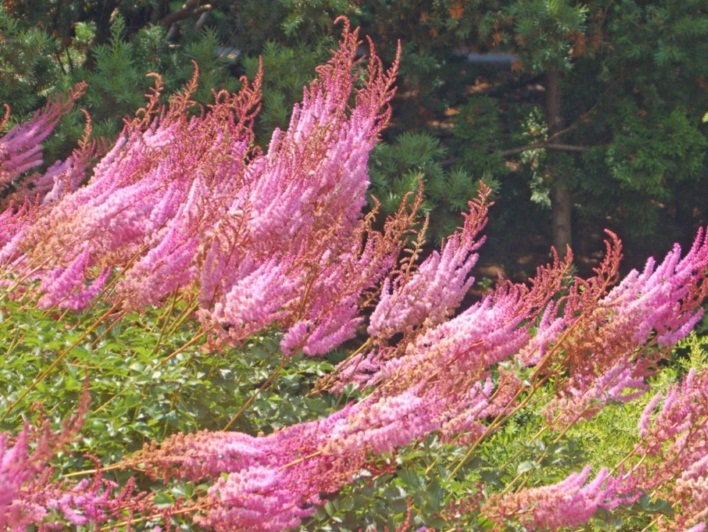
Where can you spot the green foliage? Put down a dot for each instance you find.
(632, 84)
(397, 168)
(651, 157)
(115, 79)
(540, 31)
(291, 23)
(148, 378)
(286, 71)
(118, 76)
(28, 68)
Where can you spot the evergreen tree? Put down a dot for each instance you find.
(623, 90)
(592, 108)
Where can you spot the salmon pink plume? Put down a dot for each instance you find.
(16, 467)
(183, 200)
(461, 348)
(569, 503)
(663, 300)
(65, 288)
(298, 226)
(13, 227)
(437, 287)
(670, 463)
(20, 192)
(29, 495)
(673, 451)
(612, 348)
(21, 147)
(164, 182)
(315, 173)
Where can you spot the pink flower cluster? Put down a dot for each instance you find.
(671, 464)
(21, 147)
(21, 193)
(674, 450)
(428, 296)
(294, 247)
(616, 340)
(144, 204)
(30, 497)
(276, 480)
(16, 468)
(182, 202)
(569, 503)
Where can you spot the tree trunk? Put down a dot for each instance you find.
(561, 198)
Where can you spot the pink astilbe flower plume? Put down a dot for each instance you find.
(299, 215)
(21, 194)
(439, 380)
(164, 183)
(16, 467)
(21, 147)
(670, 463)
(569, 503)
(64, 287)
(673, 452)
(437, 287)
(60, 179)
(182, 201)
(612, 340)
(13, 228)
(31, 495)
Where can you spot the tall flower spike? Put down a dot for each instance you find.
(437, 287)
(671, 464)
(607, 351)
(569, 503)
(60, 179)
(300, 212)
(146, 203)
(21, 147)
(14, 225)
(673, 449)
(16, 467)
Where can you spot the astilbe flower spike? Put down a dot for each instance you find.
(569, 503)
(13, 228)
(615, 339)
(300, 214)
(278, 237)
(184, 201)
(60, 179)
(16, 467)
(674, 452)
(22, 194)
(671, 463)
(29, 495)
(21, 147)
(437, 287)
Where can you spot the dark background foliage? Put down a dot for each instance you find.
(581, 116)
